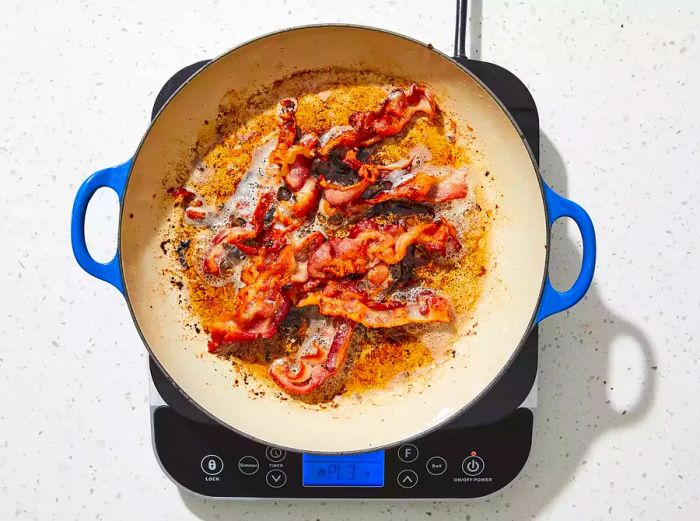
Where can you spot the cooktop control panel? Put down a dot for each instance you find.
(452, 462)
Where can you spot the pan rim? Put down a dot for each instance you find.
(540, 182)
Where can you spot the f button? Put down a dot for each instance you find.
(408, 453)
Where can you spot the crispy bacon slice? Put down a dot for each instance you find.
(339, 195)
(263, 303)
(195, 210)
(228, 329)
(369, 127)
(302, 252)
(315, 363)
(259, 306)
(183, 194)
(287, 129)
(296, 163)
(425, 188)
(344, 300)
(366, 245)
(294, 160)
(293, 212)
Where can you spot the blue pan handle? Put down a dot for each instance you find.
(554, 301)
(114, 178)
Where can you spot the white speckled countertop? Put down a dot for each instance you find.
(617, 87)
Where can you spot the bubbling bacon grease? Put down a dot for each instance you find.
(366, 128)
(316, 364)
(238, 236)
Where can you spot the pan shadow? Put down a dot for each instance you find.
(574, 376)
(574, 406)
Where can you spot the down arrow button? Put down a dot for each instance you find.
(276, 478)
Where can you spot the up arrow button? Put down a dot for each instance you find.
(407, 478)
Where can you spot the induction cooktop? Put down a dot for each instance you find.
(475, 455)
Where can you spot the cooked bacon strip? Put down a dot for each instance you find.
(228, 329)
(287, 129)
(183, 194)
(262, 304)
(294, 160)
(342, 300)
(339, 195)
(336, 197)
(365, 171)
(195, 210)
(296, 163)
(369, 127)
(288, 213)
(315, 364)
(293, 212)
(302, 252)
(367, 245)
(237, 235)
(259, 306)
(425, 188)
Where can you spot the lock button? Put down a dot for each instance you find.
(212, 465)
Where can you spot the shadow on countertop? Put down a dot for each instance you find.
(574, 375)
(574, 406)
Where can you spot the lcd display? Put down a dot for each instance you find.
(353, 470)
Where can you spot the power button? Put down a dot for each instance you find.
(473, 465)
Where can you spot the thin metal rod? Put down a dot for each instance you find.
(461, 29)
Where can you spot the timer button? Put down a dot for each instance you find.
(274, 454)
(407, 478)
(276, 478)
(473, 465)
(408, 453)
(436, 466)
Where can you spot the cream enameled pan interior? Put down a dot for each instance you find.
(383, 417)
